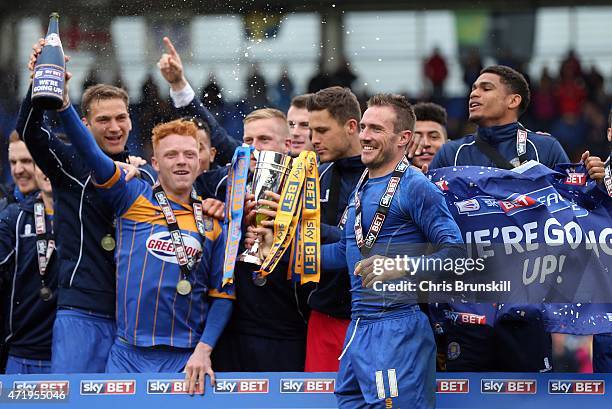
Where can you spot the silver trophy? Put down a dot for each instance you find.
(271, 171)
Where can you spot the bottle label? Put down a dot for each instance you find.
(53, 40)
(48, 80)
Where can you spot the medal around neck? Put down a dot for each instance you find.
(108, 243)
(45, 293)
(183, 287)
(259, 280)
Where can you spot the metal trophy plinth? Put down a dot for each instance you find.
(271, 171)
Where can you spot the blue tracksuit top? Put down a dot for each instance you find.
(417, 216)
(83, 218)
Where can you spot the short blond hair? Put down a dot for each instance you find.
(269, 113)
(176, 127)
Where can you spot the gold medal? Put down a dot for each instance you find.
(45, 293)
(108, 243)
(183, 287)
(259, 280)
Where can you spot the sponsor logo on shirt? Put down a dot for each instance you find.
(160, 246)
(508, 386)
(307, 385)
(577, 386)
(110, 387)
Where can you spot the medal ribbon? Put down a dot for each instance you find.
(185, 261)
(608, 176)
(44, 241)
(234, 208)
(287, 215)
(365, 245)
(309, 237)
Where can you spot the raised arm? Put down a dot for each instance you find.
(185, 100)
(102, 166)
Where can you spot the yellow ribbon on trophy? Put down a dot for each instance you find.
(299, 210)
(307, 244)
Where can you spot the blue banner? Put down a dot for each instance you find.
(548, 233)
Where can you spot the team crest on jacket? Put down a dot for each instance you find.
(160, 246)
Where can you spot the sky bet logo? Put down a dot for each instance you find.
(577, 386)
(166, 386)
(514, 386)
(100, 387)
(307, 385)
(59, 386)
(242, 386)
(453, 386)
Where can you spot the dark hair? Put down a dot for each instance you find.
(201, 125)
(300, 101)
(340, 102)
(428, 111)
(404, 112)
(514, 80)
(101, 92)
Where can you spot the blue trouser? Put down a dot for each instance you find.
(388, 362)
(602, 353)
(23, 366)
(126, 358)
(81, 342)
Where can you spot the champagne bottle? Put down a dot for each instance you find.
(49, 72)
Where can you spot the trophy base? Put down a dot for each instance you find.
(250, 259)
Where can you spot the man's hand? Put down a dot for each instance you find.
(136, 161)
(130, 170)
(594, 165)
(269, 206)
(171, 67)
(415, 146)
(378, 268)
(214, 208)
(197, 368)
(265, 234)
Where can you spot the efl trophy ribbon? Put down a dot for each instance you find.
(236, 191)
(286, 219)
(307, 247)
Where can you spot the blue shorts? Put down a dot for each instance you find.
(23, 366)
(126, 358)
(602, 353)
(81, 342)
(388, 362)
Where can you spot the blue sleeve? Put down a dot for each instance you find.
(52, 156)
(219, 137)
(427, 208)
(7, 234)
(333, 255)
(218, 315)
(440, 160)
(556, 155)
(330, 234)
(103, 167)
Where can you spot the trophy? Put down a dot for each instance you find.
(271, 171)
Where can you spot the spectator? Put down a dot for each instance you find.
(436, 72)
(283, 91)
(257, 89)
(320, 80)
(344, 75)
(571, 66)
(544, 102)
(152, 110)
(471, 68)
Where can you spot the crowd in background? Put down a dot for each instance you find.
(571, 105)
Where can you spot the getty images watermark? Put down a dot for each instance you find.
(422, 265)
